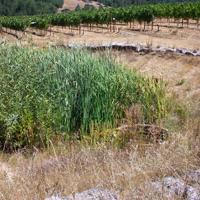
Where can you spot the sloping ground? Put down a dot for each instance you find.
(182, 38)
(182, 73)
(72, 4)
(169, 38)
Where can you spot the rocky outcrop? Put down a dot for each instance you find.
(192, 193)
(56, 197)
(137, 48)
(171, 187)
(168, 187)
(194, 176)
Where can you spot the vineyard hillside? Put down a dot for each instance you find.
(101, 103)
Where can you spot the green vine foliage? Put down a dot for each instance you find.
(142, 13)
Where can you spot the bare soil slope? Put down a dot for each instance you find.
(72, 4)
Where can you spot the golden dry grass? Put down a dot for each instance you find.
(70, 169)
(168, 37)
(181, 73)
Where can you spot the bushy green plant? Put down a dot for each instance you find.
(48, 93)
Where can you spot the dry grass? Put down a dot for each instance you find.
(171, 68)
(71, 168)
(184, 38)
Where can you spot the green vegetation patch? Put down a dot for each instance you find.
(142, 14)
(29, 7)
(52, 93)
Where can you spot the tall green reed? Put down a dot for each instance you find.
(53, 92)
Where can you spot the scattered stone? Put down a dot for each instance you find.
(56, 197)
(189, 53)
(95, 194)
(171, 187)
(91, 194)
(160, 49)
(170, 50)
(194, 51)
(194, 176)
(192, 193)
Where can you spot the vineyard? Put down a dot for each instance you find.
(180, 14)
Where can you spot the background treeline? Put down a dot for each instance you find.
(117, 3)
(28, 7)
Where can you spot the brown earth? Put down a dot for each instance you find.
(72, 4)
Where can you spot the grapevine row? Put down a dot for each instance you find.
(142, 13)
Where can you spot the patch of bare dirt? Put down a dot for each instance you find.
(72, 4)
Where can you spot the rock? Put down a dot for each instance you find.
(192, 193)
(161, 50)
(170, 50)
(198, 53)
(189, 53)
(91, 194)
(56, 197)
(194, 51)
(133, 47)
(75, 46)
(182, 50)
(179, 51)
(137, 48)
(194, 176)
(95, 194)
(170, 186)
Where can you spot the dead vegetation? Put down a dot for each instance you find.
(72, 168)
